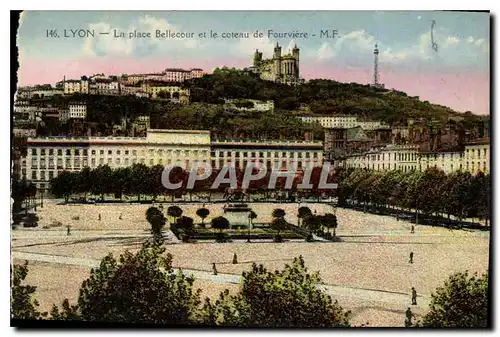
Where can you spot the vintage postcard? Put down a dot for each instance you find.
(317, 169)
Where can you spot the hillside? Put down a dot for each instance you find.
(207, 112)
(324, 97)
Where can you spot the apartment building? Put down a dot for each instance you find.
(180, 75)
(77, 110)
(344, 122)
(276, 154)
(474, 158)
(47, 157)
(153, 89)
(391, 157)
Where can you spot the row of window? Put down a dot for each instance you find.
(414, 156)
(382, 166)
(237, 154)
(472, 152)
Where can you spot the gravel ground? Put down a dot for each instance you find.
(374, 254)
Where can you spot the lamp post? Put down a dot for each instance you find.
(249, 223)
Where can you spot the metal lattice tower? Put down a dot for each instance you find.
(375, 68)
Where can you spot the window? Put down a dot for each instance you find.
(126, 152)
(77, 152)
(59, 152)
(109, 161)
(151, 162)
(85, 152)
(42, 175)
(315, 155)
(33, 175)
(308, 154)
(126, 161)
(117, 160)
(101, 152)
(93, 152)
(299, 155)
(118, 152)
(110, 152)
(261, 154)
(33, 152)
(92, 162)
(51, 174)
(134, 152)
(42, 152)
(51, 152)
(237, 154)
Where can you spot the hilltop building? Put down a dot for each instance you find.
(280, 68)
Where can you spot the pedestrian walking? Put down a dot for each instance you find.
(412, 229)
(214, 268)
(411, 257)
(99, 216)
(120, 217)
(413, 296)
(235, 259)
(69, 230)
(409, 316)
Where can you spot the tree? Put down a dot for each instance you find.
(187, 224)
(278, 213)
(101, 180)
(303, 212)
(278, 224)
(175, 212)
(23, 305)
(138, 288)
(251, 217)
(157, 221)
(330, 221)
(64, 185)
(139, 181)
(280, 299)
(202, 213)
(462, 302)
(220, 223)
(313, 223)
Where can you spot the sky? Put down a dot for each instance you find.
(457, 74)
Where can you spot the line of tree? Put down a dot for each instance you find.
(140, 180)
(145, 288)
(429, 193)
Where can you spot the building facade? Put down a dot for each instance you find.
(48, 157)
(332, 122)
(280, 68)
(345, 122)
(77, 110)
(474, 158)
(275, 154)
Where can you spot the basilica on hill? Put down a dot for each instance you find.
(280, 68)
